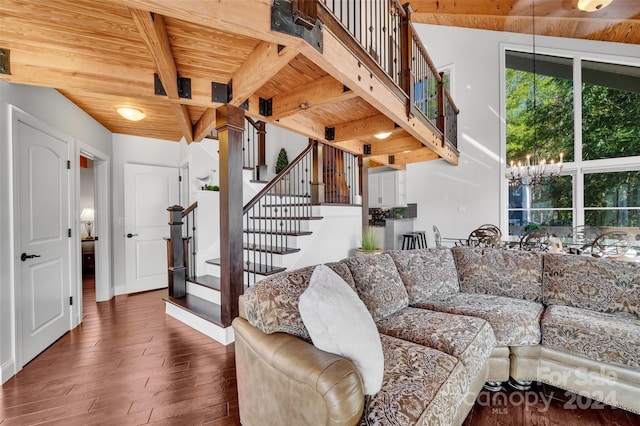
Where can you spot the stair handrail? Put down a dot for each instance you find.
(189, 209)
(277, 178)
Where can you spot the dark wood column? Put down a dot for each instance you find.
(230, 127)
(363, 162)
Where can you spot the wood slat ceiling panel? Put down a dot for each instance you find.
(160, 121)
(341, 112)
(204, 52)
(195, 112)
(295, 75)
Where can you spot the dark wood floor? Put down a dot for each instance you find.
(129, 364)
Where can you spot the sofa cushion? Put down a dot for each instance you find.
(339, 323)
(604, 337)
(515, 322)
(271, 305)
(469, 339)
(378, 284)
(426, 272)
(511, 273)
(421, 386)
(603, 285)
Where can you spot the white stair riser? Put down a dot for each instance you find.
(280, 210)
(277, 224)
(203, 292)
(217, 333)
(272, 240)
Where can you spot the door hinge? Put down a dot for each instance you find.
(69, 232)
(68, 164)
(71, 300)
(179, 178)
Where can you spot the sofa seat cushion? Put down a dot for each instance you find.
(426, 272)
(420, 386)
(603, 285)
(271, 305)
(510, 273)
(515, 322)
(604, 337)
(469, 339)
(378, 284)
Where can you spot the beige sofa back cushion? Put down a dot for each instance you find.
(272, 304)
(378, 284)
(598, 284)
(510, 273)
(426, 272)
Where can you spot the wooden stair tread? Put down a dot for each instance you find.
(279, 233)
(203, 308)
(256, 268)
(271, 249)
(258, 181)
(208, 281)
(288, 205)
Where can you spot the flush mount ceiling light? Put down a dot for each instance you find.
(593, 5)
(382, 135)
(130, 113)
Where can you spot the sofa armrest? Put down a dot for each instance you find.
(284, 380)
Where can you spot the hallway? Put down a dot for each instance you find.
(128, 363)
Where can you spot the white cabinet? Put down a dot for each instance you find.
(388, 189)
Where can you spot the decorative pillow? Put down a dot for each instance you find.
(378, 284)
(338, 322)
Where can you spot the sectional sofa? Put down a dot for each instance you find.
(450, 321)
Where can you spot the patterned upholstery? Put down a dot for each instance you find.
(510, 273)
(611, 338)
(378, 284)
(426, 272)
(272, 304)
(421, 386)
(515, 322)
(469, 339)
(599, 284)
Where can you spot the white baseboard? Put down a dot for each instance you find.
(217, 333)
(8, 370)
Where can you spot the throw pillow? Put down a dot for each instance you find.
(338, 322)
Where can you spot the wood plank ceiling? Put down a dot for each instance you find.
(103, 54)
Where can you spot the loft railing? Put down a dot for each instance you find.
(389, 45)
(340, 176)
(253, 146)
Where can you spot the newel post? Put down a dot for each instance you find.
(406, 56)
(317, 173)
(175, 254)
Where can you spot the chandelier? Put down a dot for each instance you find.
(535, 168)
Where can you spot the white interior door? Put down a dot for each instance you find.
(45, 244)
(149, 190)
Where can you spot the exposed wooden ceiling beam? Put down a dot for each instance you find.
(265, 62)
(155, 36)
(403, 158)
(205, 125)
(382, 147)
(320, 92)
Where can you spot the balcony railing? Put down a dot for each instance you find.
(389, 44)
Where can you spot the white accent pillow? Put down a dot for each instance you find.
(339, 322)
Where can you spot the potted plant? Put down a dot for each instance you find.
(282, 186)
(370, 242)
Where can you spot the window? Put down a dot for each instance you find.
(607, 172)
(612, 199)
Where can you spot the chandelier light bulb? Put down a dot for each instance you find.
(593, 5)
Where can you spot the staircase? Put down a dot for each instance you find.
(278, 223)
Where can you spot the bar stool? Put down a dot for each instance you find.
(409, 241)
(421, 239)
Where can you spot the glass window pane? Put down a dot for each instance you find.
(539, 115)
(551, 193)
(613, 218)
(610, 110)
(615, 189)
(557, 222)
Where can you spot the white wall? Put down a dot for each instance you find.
(458, 199)
(138, 150)
(281, 138)
(51, 107)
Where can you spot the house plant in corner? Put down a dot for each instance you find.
(282, 186)
(370, 242)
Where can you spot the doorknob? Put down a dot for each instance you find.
(26, 256)
(130, 235)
